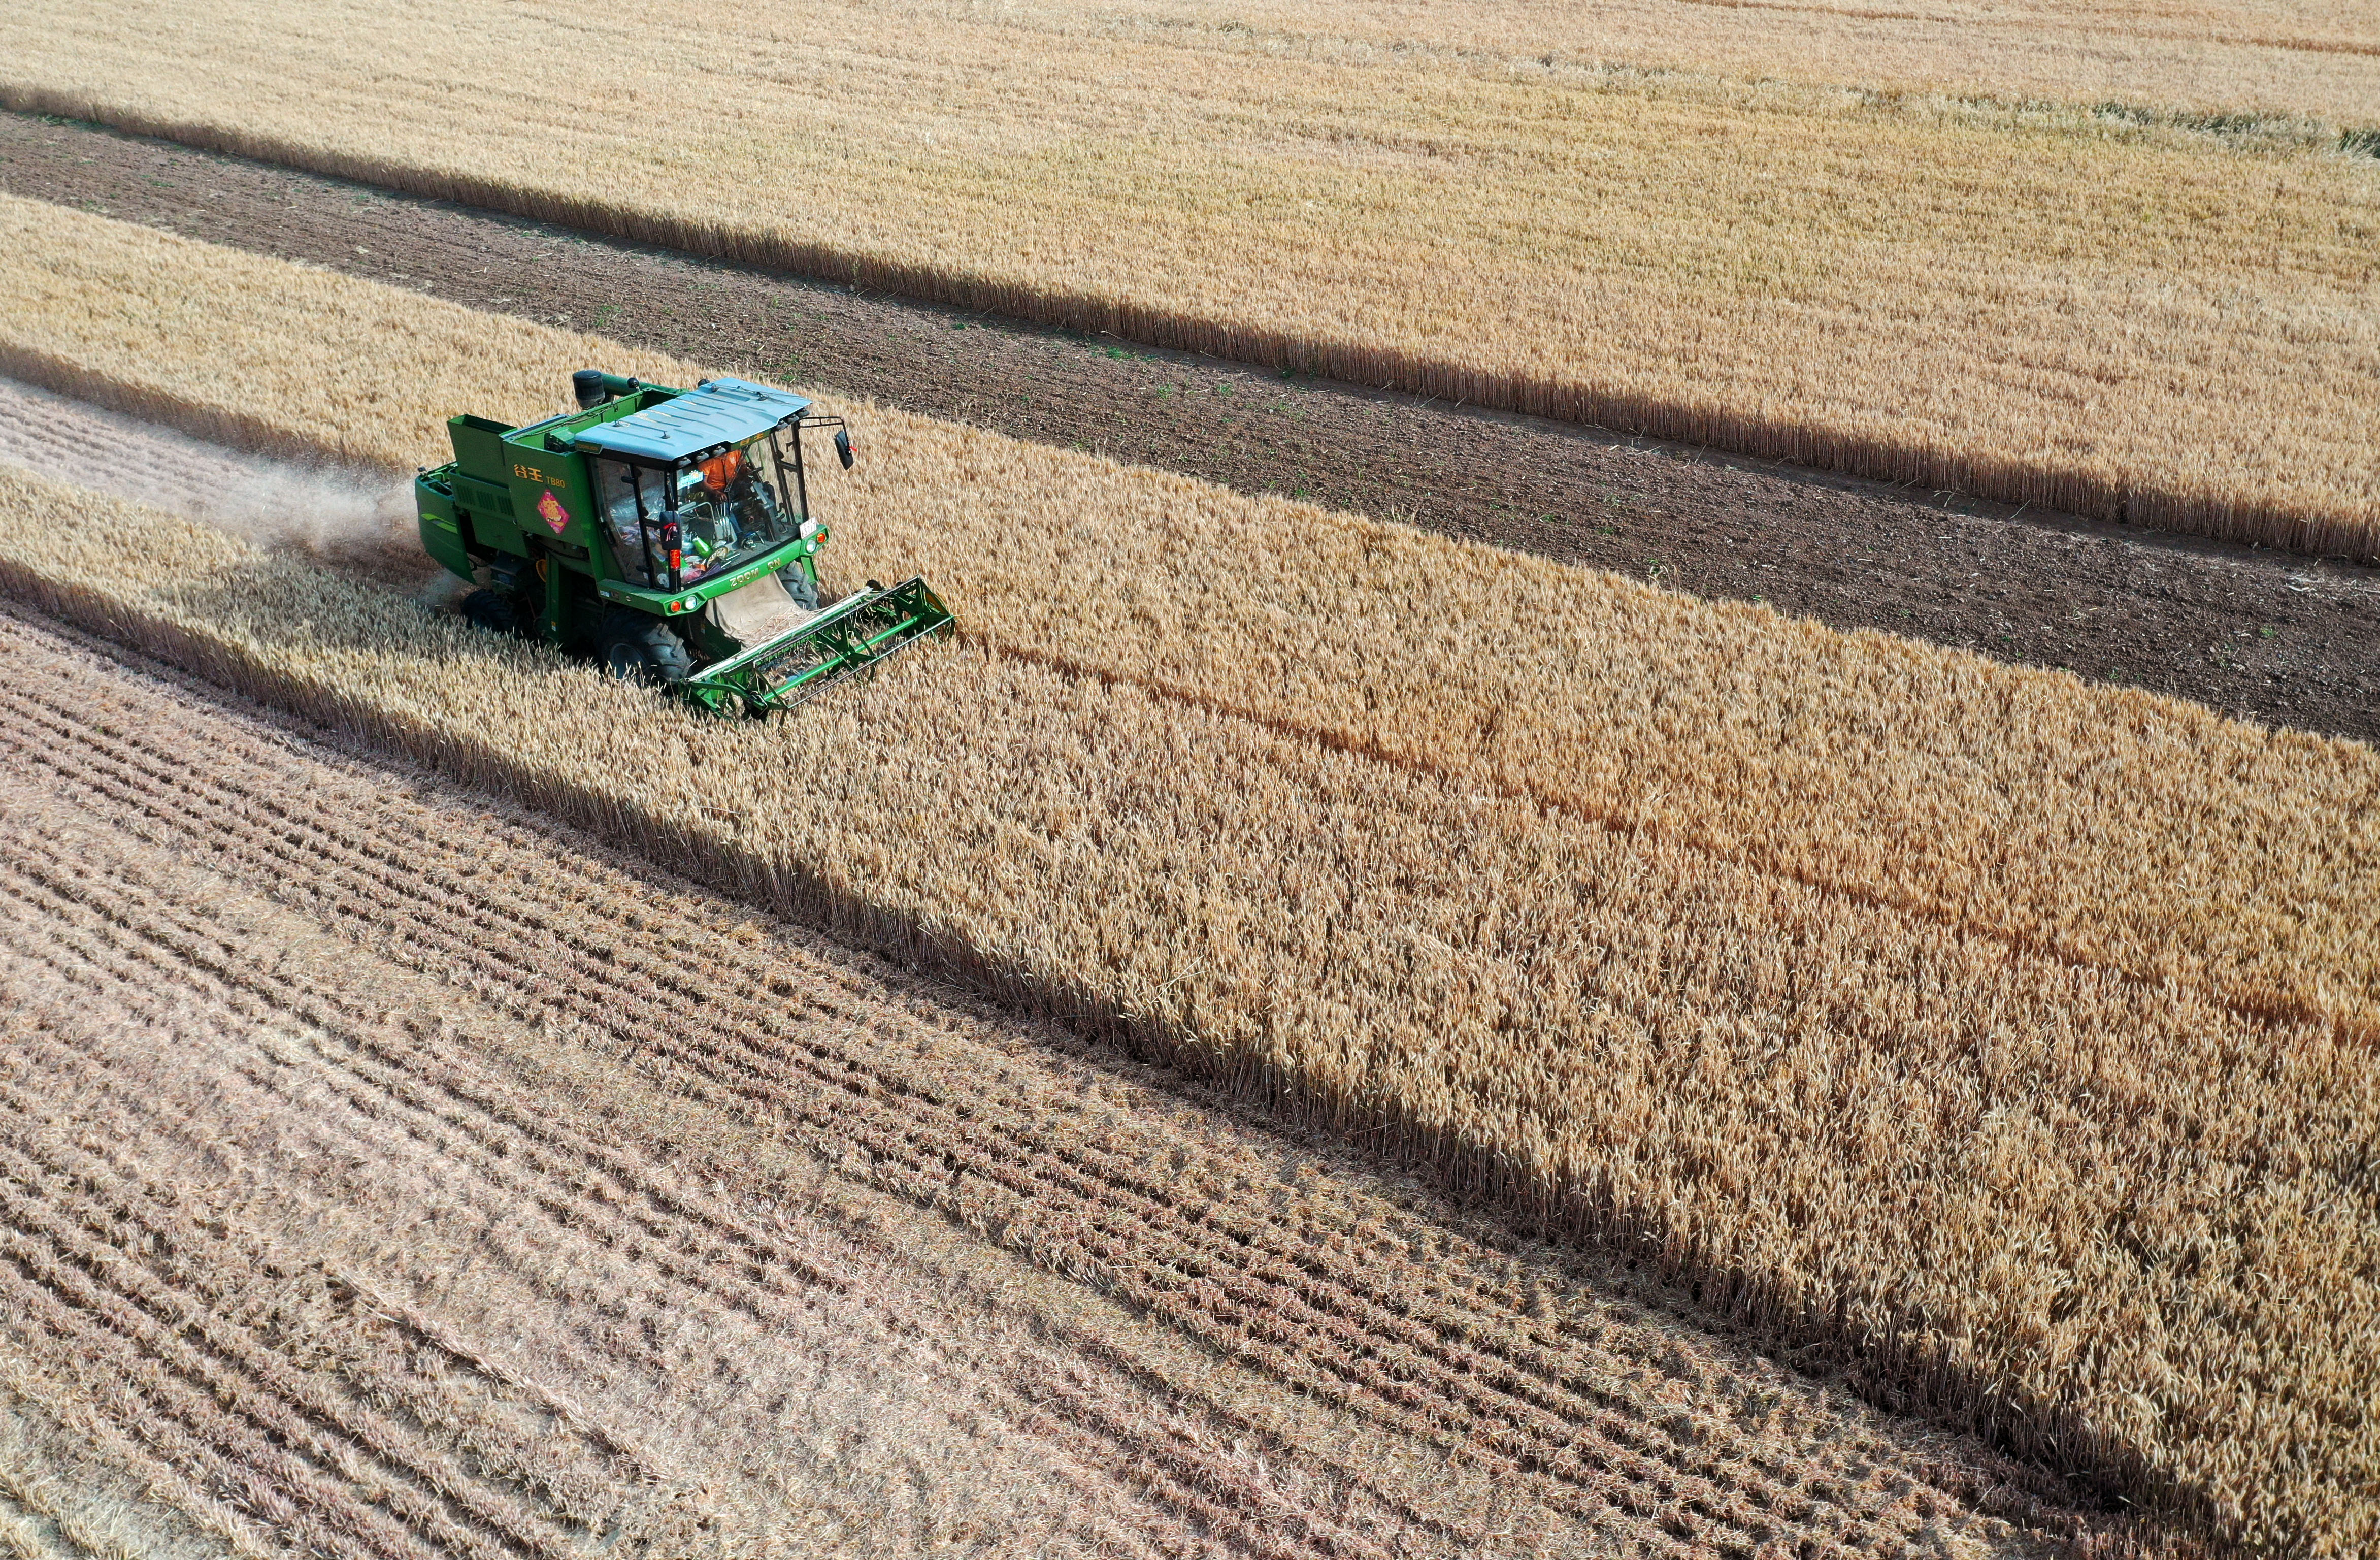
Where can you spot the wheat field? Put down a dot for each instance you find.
(2014, 1031)
(1909, 266)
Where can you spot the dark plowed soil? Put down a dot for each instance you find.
(2276, 637)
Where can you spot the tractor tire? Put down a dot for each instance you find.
(640, 649)
(497, 611)
(800, 586)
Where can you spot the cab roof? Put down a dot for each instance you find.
(714, 413)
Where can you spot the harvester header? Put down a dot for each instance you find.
(667, 534)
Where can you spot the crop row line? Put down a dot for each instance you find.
(421, 1488)
(1179, 1491)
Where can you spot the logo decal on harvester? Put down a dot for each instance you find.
(555, 515)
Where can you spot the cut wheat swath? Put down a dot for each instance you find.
(2039, 304)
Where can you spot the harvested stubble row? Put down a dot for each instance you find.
(1904, 998)
(2060, 307)
(305, 1394)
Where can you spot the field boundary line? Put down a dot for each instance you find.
(2010, 480)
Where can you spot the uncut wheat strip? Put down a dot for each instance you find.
(2220, 59)
(1873, 766)
(2019, 804)
(1792, 306)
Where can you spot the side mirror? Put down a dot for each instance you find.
(843, 446)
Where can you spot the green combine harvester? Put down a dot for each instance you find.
(667, 534)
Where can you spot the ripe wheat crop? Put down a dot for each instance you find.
(2068, 301)
(2241, 65)
(2017, 1031)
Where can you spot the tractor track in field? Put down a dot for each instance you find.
(630, 1107)
(2268, 636)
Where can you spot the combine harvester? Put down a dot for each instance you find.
(668, 534)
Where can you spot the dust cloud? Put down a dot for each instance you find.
(358, 522)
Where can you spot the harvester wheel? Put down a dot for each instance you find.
(800, 586)
(496, 610)
(641, 649)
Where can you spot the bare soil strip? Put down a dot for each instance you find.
(2268, 636)
(390, 1172)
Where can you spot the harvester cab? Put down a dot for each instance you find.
(667, 534)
